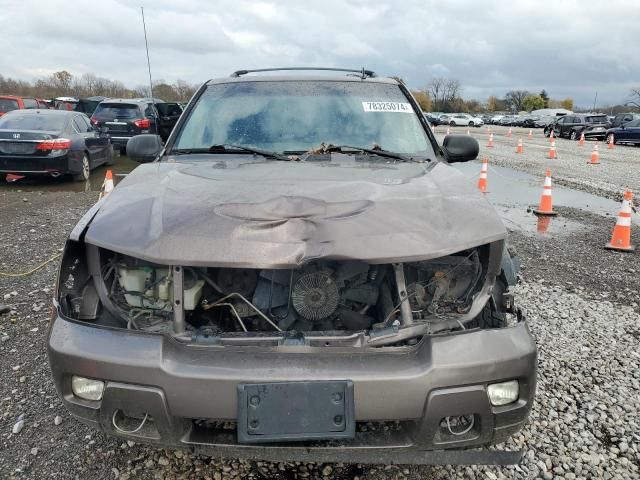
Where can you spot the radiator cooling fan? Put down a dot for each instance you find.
(315, 295)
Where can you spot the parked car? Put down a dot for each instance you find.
(88, 105)
(15, 102)
(224, 282)
(623, 118)
(125, 118)
(486, 118)
(495, 120)
(530, 121)
(574, 125)
(628, 132)
(444, 119)
(52, 143)
(464, 120)
(506, 120)
(65, 103)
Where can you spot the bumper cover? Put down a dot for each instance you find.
(44, 165)
(176, 384)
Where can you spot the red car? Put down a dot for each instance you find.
(12, 102)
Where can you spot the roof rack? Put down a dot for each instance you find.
(362, 73)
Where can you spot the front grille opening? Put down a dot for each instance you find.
(137, 424)
(456, 428)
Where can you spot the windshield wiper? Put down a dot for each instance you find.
(229, 147)
(324, 148)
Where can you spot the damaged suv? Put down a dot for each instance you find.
(298, 273)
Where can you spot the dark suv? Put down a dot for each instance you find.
(594, 126)
(126, 118)
(299, 273)
(622, 118)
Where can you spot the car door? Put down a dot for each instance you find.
(631, 132)
(93, 143)
(557, 127)
(169, 115)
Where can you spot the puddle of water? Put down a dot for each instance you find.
(65, 183)
(513, 192)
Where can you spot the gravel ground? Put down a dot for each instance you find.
(583, 307)
(619, 168)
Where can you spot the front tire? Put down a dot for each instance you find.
(110, 156)
(84, 174)
(452, 124)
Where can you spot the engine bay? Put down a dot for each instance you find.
(321, 296)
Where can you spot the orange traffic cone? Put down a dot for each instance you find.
(448, 131)
(595, 155)
(468, 132)
(107, 185)
(552, 150)
(581, 141)
(509, 132)
(482, 181)
(621, 236)
(551, 136)
(490, 142)
(530, 136)
(546, 202)
(610, 143)
(519, 148)
(542, 225)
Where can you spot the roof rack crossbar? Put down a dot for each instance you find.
(362, 72)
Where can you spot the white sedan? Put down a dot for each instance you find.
(464, 120)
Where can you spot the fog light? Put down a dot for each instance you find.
(87, 388)
(503, 393)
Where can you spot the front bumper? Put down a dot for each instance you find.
(178, 385)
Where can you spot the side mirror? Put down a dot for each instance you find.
(460, 148)
(144, 148)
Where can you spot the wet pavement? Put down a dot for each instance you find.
(513, 193)
(123, 165)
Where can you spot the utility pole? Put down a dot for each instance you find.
(146, 44)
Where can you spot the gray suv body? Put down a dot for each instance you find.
(299, 274)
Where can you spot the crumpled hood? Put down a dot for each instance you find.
(272, 214)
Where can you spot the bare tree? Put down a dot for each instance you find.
(444, 93)
(515, 99)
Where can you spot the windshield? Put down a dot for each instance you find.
(633, 123)
(111, 111)
(7, 104)
(18, 121)
(289, 116)
(597, 119)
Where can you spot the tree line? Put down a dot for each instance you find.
(65, 84)
(445, 95)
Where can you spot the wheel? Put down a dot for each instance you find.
(574, 135)
(83, 176)
(547, 132)
(611, 138)
(452, 123)
(471, 124)
(110, 156)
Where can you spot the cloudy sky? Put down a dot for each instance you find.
(570, 48)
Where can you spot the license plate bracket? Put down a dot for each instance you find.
(295, 411)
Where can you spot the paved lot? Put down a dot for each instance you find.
(583, 305)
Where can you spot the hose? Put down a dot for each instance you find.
(29, 272)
